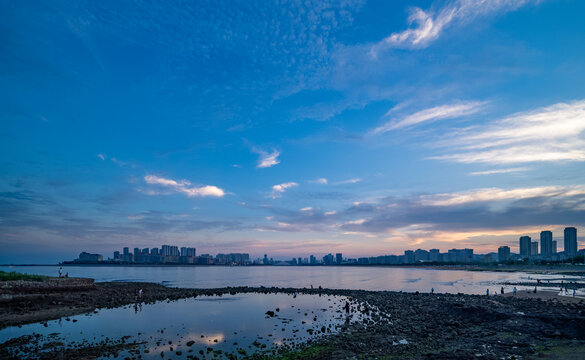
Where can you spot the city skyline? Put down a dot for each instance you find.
(527, 249)
(361, 127)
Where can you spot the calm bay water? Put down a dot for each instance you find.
(343, 277)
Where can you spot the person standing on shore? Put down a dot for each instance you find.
(487, 292)
(502, 290)
(515, 290)
(432, 290)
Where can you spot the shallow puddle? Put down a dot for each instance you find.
(202, 327)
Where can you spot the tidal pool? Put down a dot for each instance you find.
(205, 327)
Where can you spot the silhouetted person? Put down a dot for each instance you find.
(502, 290)
(515, 290)
(535, 289)
(347, 307)
(487, 292)
(432, 290)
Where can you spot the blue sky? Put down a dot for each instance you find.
(289, 128)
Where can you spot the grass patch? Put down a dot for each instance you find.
(8, 276)
(311, 352)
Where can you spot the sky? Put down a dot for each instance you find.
(289, 128)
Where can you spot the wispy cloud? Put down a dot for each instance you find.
(308, 208)
(441, 112)
(499, 171)
(349, 181)
(267, 159)
(553, 133)
(319, 181)
(102, 156)
(498, 194)
(278, 190)
(184, 186)
(426, 26)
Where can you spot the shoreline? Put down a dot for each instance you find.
(564, 269)
(434, 325)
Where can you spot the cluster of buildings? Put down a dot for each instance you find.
(166, 254)
(548, 246)
(529, 250)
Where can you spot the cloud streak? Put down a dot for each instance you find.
(184, 187)
(441, 112)
(427, 26)
(553, 133)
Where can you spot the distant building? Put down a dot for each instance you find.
(154, 251)
(126, 251)
(328, 259)
(90, 258)
(460, 255)
(265, 261)
(525, 246)
(116, 255)
(136, 251)
(188, 252)
(434, 255)
(300, 261)
(338, 258)
(409, 257)
(312, 260)
(145, 251)
(534, 248)
(421, 255)
(570, 241)
(554, 247)
(169, 250)
(503, 253)
(546, 243)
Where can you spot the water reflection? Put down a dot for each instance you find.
(207, 325)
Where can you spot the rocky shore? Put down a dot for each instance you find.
(404, 325)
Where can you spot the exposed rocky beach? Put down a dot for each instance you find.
(400, 325)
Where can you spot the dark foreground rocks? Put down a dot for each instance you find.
(400, 326)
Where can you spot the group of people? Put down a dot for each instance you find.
(61, 273)
(487, 291)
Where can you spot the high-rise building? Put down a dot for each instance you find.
(503, 253)
(312, 260)
(409, 257)
(525, 242)
(554, 247)
(265, 261)
(154, 251)
(328, 259)
(169, 250)
(300, 260)
(188, 251)
(434, 254)
(421, 255)
(126, 251)
(570, 241)
(534, 248)
(546, 243)
(136, 251)
(338, 258)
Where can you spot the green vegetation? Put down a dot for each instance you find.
(7, 276)
(311, 352)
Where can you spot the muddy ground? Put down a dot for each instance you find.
(408, 325)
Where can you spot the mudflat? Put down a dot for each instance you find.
(404, 325)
